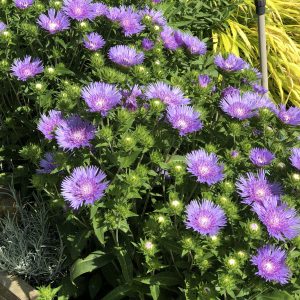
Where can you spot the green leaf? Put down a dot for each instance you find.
(163, 278)
(118, 293)
(125, 263)
(155, 291)
(128, 160)
(95, 285)
(93, 261)
(276, 296)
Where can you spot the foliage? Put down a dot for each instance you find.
(30, 246)
(47, 293)
(134, 242)
(282, 30)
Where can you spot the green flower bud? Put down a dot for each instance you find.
(106, 133)
(235, 128)
(227, 281)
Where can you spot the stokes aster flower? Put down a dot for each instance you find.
(47, 164)
(131, 96)
(125, 56)
(101, 97)
(100, 9)
(204, 80)
(26, 68)
(205, 217)
(290, 116)
(271, 264)
(295, 158)
(155, 16)
(93, 41)
(48, 124)
(184, 118)
(205, 167)
(79, 9)
(259, 89)
(54, 22)
(256, 188)
(147, 44)
(74, 133)
(168, 38)
(281, 221)
(84, 186)
(240, 107)
(2, 26)
(23, 4)
(230, 64)
(261, 156)
(193, 44)
(167, 94)
(230, 91)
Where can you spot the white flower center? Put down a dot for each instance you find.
(78, 136)
(100, 102)
(268, 267)
(53, 25)
(87, 188)
(204, 222)
(78, 10)
(240, 111)
(182, 124)
(274, 221)
(27, 72)
(203, 170)
(286, 117)
(260, 193)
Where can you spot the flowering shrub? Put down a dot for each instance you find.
(170, 172)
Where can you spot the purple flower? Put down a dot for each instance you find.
(84, 186)
(101, 97)
(271, 264)
(130, 21)
(290, 116)
(125, 56)
(168, 38)
(295, 158)
(281, 221)
(54, 22)
(259, 89)
(205, 167)
(23, 4)
(93, 41)
(205, 217)
(234, 153)
(26, 68)
(2, 26)
(74, 133)
(256, 188)
(194, 45)
(167, 94)
(113, 13)
(79, 9)
(147, 44)
(261, 156)
(184, 118)
(47, 164)
(48, 124)
(100, 9)
(156, 16)
(130, 97)
(240, 107)
(263, 101)
(230, 64)
(204, 80)
(230, 91)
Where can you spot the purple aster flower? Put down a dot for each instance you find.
(93, 41)
(130, 21)
(256, 188)
(281, 221)
(54, 22)
(230, 91)
(184, 118)
(101, 97)
(205, 167)
(84, 186)
(271, 264)
(240, 107)
(168, 38)
(261, 156)
(26, 68)
(74, 133)
(131, 96)
(204, 80)
(295, 158)
(156, 16)
(205, 217)
(23, 4)
(230, 64)
(290, 116)
(100, 9)
(2, 26)
(259, 89)
(47, 164)
(263, 101)
(178, 35)
(194, 45)
(235, 153)
(167, 94)
(113, 13)
(79, 9)
(125, 56)
(156, 1)
(48, 124)
(147, 44)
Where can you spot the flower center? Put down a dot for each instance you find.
(87, 188)
(53, 25)
(274, 221)
(78, 11)
(268, 267)
(240, 111)
(203, 170)
(261, 160)
(79, 136)
(286, 117)
(204, 222)
(260, 193)
(100, 102)
(27, 72)
(182, 124)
